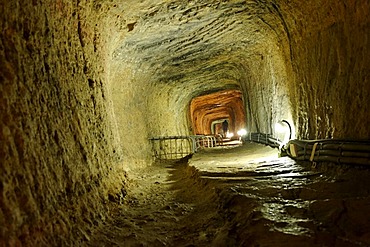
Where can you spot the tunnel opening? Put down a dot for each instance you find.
(209, 111)
(216, 126)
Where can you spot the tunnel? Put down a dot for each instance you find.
(85, 85)
(208, 111)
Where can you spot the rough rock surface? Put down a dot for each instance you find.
(83, 84)
(59, 153)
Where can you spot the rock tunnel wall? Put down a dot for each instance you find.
(83, 85)
(59, 153)
(330, 57)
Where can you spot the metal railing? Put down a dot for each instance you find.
(177, 147)
(266, 139)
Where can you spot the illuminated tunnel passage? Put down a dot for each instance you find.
(209, 111)
(85, 85)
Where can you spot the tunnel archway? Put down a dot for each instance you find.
(209, 110)
(180, 56)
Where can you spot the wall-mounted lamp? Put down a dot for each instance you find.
(281, 127)
(242, 132)
(290, 128)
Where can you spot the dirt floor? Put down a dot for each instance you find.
(163, 209)
(244, 196)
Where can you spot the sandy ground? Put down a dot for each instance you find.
(245, 196)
